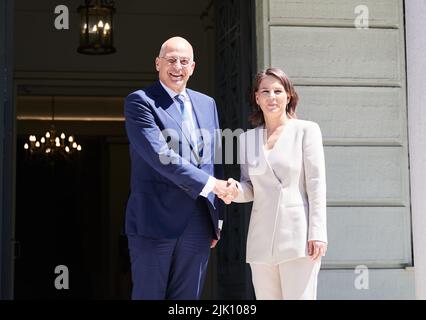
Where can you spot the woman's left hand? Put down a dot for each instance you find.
(316, 249)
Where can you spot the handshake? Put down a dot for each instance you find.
(226, 190)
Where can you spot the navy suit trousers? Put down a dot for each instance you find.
(172, 268)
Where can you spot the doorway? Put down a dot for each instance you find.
(60, 222)
(71, 213)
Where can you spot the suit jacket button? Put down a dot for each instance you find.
(199, 166)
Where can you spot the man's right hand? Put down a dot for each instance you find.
(226, 190)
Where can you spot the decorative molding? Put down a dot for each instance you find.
(334, 13)
(75, 83)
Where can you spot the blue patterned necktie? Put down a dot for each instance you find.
(197, 143)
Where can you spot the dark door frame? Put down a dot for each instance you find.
(235, 67)
(7, 147)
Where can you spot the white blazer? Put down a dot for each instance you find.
(288, 188)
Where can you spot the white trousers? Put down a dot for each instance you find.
(292, 280)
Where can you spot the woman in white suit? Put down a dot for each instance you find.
(283, 173)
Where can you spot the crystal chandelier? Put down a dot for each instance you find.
(96, 31)
(52, 144)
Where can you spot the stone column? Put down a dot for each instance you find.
(415, 17)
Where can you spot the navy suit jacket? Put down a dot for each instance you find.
(165, 182)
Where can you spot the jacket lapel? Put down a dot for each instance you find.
(260, 164)
(163, 101)
(200, 117)
(203, 120)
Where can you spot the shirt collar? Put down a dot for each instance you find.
(173, 94)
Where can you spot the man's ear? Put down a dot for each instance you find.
(192, 68)
(157, 64)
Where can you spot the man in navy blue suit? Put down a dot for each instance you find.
(173, 211)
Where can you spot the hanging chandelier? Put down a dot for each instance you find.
(52, 144)
(96, 32)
